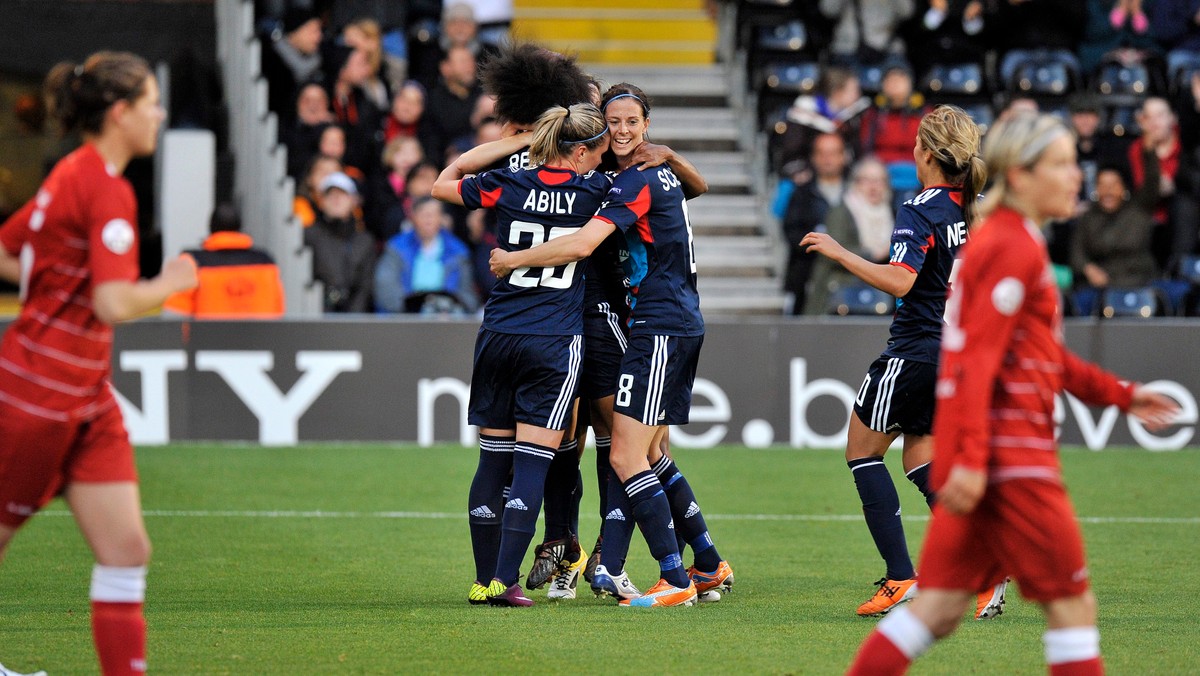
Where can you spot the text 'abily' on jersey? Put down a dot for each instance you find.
(534, 206)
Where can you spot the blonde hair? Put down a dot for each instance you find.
(559, 129)
(373, 46)
(1016, 143)
(953, 137)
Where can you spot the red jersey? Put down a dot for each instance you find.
(1003, 359)
(79, 231)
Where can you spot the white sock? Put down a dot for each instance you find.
(906, 632)
(1074, 644)
(116, 584)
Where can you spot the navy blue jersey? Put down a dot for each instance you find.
(649, 207)
(533, 206)
(929, 231)
(605, 283)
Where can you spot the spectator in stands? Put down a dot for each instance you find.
(948, 32)
(365, 34)
(1017, 104)
(291, 55)
(236, 280)
(400, 155)
(1176, 26)
(1160, 132)
(862, 223)
(1112, 243)
(1188, 175)
(343, 253)
(837, 108)
(1116, 30)
(426, 259)
(307, 203)
(493, 19)
(408, 105)
(347, 70)
(312, 115)
(809, 205)
(1094, 147)
(450, 104)
(865, 30)
(889, 128)
(457, 28)
(1038, 30)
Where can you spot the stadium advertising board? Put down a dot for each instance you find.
(760, 382)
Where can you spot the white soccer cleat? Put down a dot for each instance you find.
(990, 604)
(562, 586)
(9, 672)
(618, 586)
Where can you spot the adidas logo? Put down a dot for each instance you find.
(483, 512)
(897, 512)
(671, 526)
(615, 515)
(516, 503)
(692, 510)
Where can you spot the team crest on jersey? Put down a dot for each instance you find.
(117, 236)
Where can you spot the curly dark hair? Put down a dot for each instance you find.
(527, 79)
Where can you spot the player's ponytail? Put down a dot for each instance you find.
(81, 94)
(953, 138)
(560, 129)
(1016, 143)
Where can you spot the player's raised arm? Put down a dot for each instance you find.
(648, 155)
(892, 279)
(558, 251)
(473, 161)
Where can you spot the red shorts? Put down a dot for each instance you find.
(38, 457)
(1023, 528)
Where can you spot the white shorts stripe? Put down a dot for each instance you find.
(562, 406)
(883, 395)
(657, 381)
(614, 324)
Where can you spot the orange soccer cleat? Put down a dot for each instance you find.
(891, 593)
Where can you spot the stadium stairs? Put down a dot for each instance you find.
(685, 62)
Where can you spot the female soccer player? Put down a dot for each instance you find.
(528, 352)
(897, 395)
(1002, 507)
(60, 429)
(658, 367)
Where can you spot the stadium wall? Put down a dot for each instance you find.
(760, 382)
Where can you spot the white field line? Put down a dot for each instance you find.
(321, 514)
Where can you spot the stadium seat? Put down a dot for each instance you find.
(860, 300)
(870, 78)
(1119, 79)
(1189, 269)
(962, 79)
(981, 112)
(790, 77)
(1122, 120)
(790, 37)
(1132, 302)
(1043, 78)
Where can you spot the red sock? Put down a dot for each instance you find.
(1092, 667)
(878, 656)
(119, 630)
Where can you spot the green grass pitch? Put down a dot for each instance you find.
(356, 560)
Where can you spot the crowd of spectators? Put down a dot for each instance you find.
(373, 100)
(1124, 73)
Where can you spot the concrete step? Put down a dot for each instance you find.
(716, 214)
(686, 86)
(743, 305)
(626, 32)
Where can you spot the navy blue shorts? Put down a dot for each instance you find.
(523, 378)
(657, 374)
(897, 396)
(603, 348)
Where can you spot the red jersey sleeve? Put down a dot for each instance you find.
(1094, 385)
(15, 230)
(111, 220)
(983, 310)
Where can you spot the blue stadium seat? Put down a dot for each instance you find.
(981, 113)
(790, 77)
(1142, 302)
(1189, 269)
(1122, 120)
(784, 37)
(1120, 79)
(870, 78)
(1048, 78)
(961, 79)
(860, 300)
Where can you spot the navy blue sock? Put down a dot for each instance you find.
(485, 503)
(530, 464)
(603, 471)
(653, 515)
(920, 477)
(617, 530)
(689, 521)
(576, 498)
(881, 507)
(560, 485)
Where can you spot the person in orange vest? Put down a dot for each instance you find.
(237, 281)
